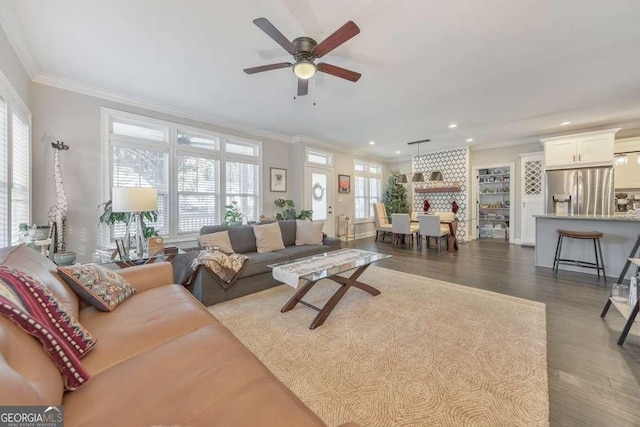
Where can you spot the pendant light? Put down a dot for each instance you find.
(436, 176)
(418, 176)
(402, 178)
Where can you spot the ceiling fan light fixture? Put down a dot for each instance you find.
(304, 69)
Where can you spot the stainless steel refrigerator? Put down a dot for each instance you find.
(588, 191)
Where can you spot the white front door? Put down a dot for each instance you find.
(532, 191)
(318, 195)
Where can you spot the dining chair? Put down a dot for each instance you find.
(401, 227)
(380, 220)
(430, 227)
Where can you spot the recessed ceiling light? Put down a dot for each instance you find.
(453, 126)
(372, 142)
(565, 123)
(397, 151)
(469, 139)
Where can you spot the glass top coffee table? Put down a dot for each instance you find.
(328, 265)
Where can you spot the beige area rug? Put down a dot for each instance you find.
(423, 352)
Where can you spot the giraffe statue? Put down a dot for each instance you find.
(58, 213)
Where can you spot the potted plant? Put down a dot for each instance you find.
(288, 211)
(110, 218)
(233, 215)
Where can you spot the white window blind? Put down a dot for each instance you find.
(242, 186)
(367, 189)
(20, 175)
(4, 179)
(197, 172)
(198, 192)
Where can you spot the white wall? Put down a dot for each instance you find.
(500, 156)
(12, 68)
(75, 119)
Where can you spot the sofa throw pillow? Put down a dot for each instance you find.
(218, 240)
(268, 237)
(308, 232)
(35, 310)
(99, 286)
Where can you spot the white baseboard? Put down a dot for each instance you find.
(517, 241)
(365, 235)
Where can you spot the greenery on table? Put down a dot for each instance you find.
(110, 218)
(288, 211)
(395, 196)
(233, 214)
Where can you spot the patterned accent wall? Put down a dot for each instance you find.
(454, 165)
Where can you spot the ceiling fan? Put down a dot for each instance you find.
(305, 50)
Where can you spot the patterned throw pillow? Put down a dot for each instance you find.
(97, 285)
(34, 309)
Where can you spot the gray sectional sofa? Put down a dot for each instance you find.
(255, 276)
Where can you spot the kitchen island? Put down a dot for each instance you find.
(620, 234)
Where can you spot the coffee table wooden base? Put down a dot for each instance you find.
(325, 311)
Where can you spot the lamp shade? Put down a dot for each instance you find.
(402, 179)
(417, 177)
(134, 199)
(436, 176)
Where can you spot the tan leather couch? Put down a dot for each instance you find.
(161, 358)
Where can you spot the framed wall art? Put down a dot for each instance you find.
(278, 180)
(344, 183)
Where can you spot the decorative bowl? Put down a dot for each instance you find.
(64, 258)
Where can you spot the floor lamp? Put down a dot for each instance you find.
(135, 200)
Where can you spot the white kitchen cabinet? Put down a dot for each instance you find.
(560, 153)
(580, 150)
(531, 194)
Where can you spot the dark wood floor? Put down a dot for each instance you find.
(592, 381)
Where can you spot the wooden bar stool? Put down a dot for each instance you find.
(580, 235)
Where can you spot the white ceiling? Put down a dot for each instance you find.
(504, 70)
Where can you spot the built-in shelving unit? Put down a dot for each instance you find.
(494, 203)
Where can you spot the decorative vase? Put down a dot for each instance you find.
(454, 207)
(425, 206)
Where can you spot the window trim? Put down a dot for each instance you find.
(16, 105)
(174, 149)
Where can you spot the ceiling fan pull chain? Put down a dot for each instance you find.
(314, 92)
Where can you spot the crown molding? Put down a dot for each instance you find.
(98, 92)
(503, 144)
(17, 38)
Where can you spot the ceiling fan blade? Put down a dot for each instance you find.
(277, 36)
(341, 35)
(269, 67)
(303, 87)
(343, 73)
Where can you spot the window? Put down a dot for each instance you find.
(15, 164)
(318, 157)
(20, 161)
(196, 172)
(367, 188)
